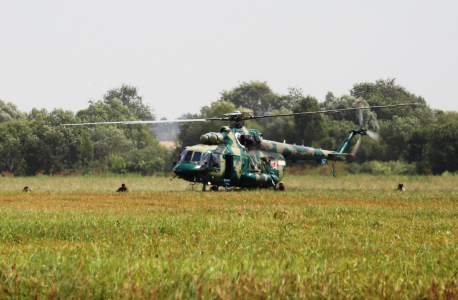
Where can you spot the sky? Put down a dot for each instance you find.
(182, 54)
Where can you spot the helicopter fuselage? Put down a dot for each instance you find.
(240, 157)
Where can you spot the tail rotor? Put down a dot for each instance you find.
(356, 147)
(371, 134)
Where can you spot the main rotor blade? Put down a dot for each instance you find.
(360, 114)
(373, 135)
(356, 146)
(327, 111)
(234, 116)
(148, 122)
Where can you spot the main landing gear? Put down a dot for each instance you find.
(213, 188)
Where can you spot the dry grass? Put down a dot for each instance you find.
(168, 144)
(345, 237)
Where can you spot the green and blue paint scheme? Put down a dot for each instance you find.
(240, 157)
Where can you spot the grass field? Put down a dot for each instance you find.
(344, 237)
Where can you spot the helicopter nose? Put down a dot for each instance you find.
(177, 170)
(186, 169)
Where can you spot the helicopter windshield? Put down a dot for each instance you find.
(186, 156)
(196, 157)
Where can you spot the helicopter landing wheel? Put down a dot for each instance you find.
(214, 188)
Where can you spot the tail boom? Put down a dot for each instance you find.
(299, 153)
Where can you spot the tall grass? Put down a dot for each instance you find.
(344, 237)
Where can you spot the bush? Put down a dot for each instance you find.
(117, 164)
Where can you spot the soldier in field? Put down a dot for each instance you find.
(123, 188)
(400, 187)
(281, 187)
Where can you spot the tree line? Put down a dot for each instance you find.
(422, 139)
(38, 142)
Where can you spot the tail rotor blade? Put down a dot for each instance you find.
(360, 114)
(373, 135)
(356, 147)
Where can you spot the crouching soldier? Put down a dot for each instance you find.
(400, 187)
(26, 189)
(281, 187)
(123, 188)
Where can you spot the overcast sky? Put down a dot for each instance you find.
(182, 54)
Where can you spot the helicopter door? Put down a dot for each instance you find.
(229, 167)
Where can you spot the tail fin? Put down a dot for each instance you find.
(344, 146)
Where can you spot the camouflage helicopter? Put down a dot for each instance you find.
(237, 156)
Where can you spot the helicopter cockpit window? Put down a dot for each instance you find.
(186, 156)
(215, 160)
(240, 139)
(205, 162)
(182, 156)
(196, 157)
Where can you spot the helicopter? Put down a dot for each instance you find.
(239, 157)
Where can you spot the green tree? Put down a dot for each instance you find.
(52, 147)
(140, 135)
(279, 129)
(9, 111)
(128, 95)
(87, 149)
(153, 158)
(386, 92)
(117, 164)
(395, 134)
(332, 102)
(289, 100)
(443, 144)
(109, 140)
(100, 111)
(309, 127)
(43, 144)
(416, 150)
(370, 150)
(56, 117)
(254, 95)
(13, 136)
(337, 132)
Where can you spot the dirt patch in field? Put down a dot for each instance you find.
(165, 200)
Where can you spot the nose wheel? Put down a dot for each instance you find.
(214, 188)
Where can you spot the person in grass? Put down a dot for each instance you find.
(400, 187)
(281, 187)
(26, 189)
(123, 188)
